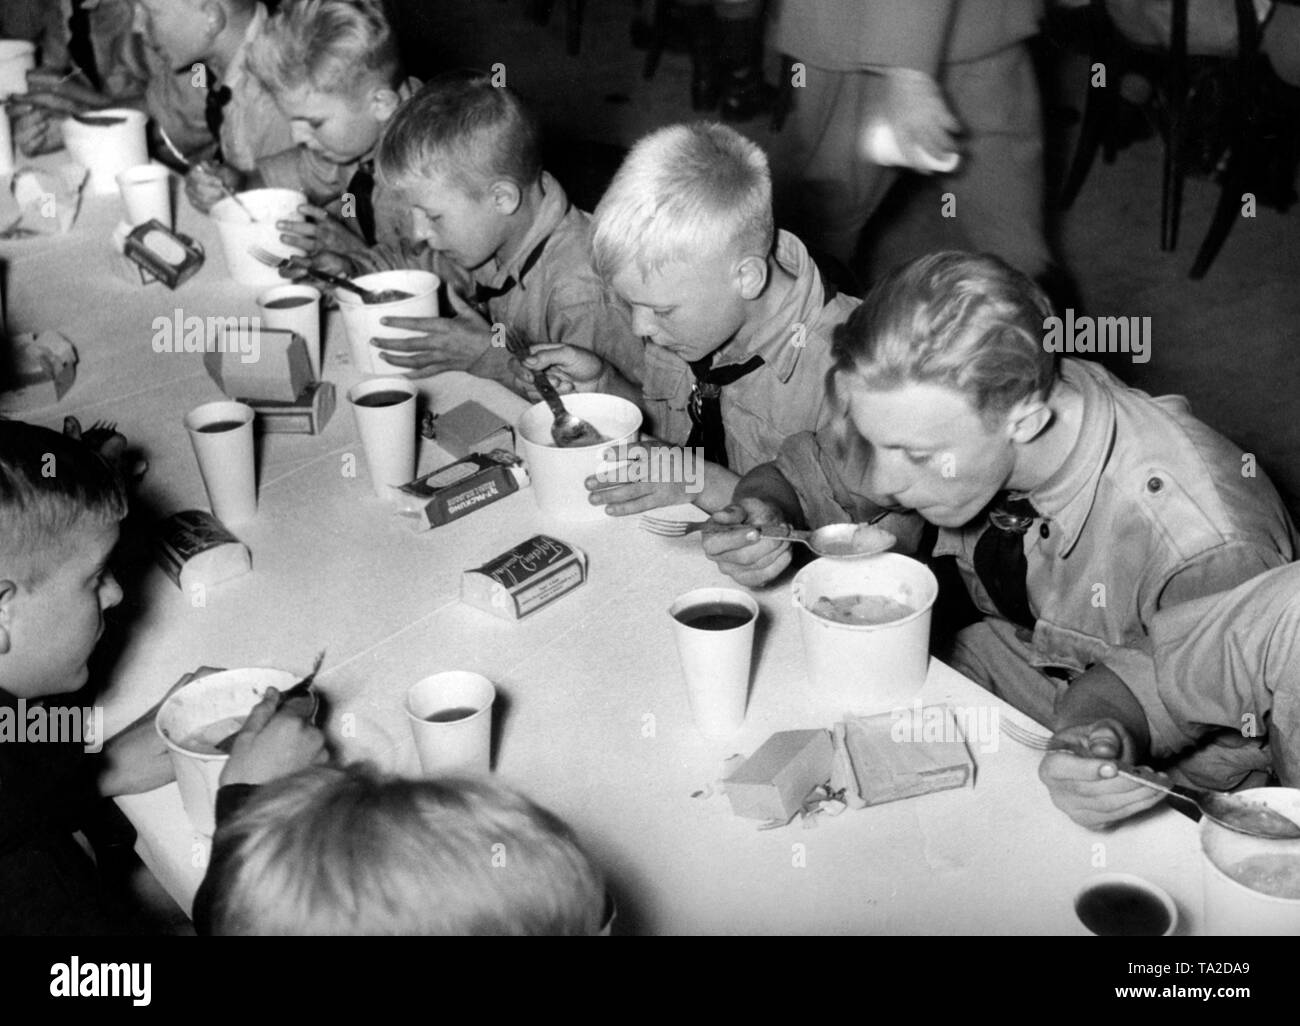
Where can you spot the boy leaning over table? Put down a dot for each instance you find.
(464, 157)
(61, 505)
(734, 317)
(1077, 509)
(213, 39)
(333, 69)
(1228, 662)
(354, 852)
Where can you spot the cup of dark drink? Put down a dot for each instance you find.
(222, 436)
(384, 409)
(451, 718)
(294, 308)
(714, 631)
(1124, 905)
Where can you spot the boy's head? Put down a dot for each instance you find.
(465, 154)
(683, 235)
(942, 376)
(60, 505)
(185, 31)
(333, 68)
(350, 851)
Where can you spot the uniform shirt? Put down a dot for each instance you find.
(1228, 665)
(1150, 509)
(560, 298)
(783, 396)
(850, 35)
(252, 126)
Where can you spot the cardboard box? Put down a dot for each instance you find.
(306, 415)
(459, 488)
(773, 782)
(472, 428)
(905, 754)
(531, 575)
(251, 363)
(196, 550)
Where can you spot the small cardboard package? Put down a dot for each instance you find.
(531, 575)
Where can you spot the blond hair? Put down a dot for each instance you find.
(353, 851)
(684, 190)
(328, 45)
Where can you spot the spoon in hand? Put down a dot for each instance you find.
(303, 687)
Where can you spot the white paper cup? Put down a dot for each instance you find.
(107, 150)
(361, 320)
(559, 475)
(6, 144)
(460, 745)
(303, 318)
(1120, 914)
(387, 432)
(861, 667)
(146, 193)
(226, 459)
(1231, 859)
(17, 57)
(715, 663)
(199, 705)
(239, 235)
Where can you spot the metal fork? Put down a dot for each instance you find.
(670, 528)
(265, 256)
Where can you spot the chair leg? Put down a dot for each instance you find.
(784, 95)
(658, 38)
(1175, 166)
(1098, 110)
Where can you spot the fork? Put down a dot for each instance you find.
(265, 256)
(670, 528)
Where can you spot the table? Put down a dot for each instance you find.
(593, 719)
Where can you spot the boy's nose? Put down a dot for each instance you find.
(421, 230)
(642, 323)
(887, 476)
(300, 133)
(110, 592)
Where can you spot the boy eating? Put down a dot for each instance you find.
(1077, 509)
(734, 318)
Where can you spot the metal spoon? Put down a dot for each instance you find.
(837, 541)
(303, 687)
(567, 431)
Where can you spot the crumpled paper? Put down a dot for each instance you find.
(35, 371)
(42, 202)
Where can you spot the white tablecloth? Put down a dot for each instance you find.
(593, 719)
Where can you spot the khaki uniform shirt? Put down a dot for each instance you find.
(252, 126)
(785, 395)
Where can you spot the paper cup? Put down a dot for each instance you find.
(462, 742)
(559, 475)
(146, 193)
(107, 150)
(1252, 885)
(239, 235)
(1124, 905)
(226, 458)
(715, 662)
(210, 703)
(387, 431)
(17, 57)
(294, 308)
(361, 320)
(6, 144)
(866, 668)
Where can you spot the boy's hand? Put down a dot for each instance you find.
(38, 121)
(913, 105)
(273, 744)
(570, 369)
(208, 182)
(625, 487)
(449, 343)
(321, 232)
(741, 552)
(135, 761)
(1087, 789)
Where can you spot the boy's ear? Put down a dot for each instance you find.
(383, 104)
(751, 276)
(214, 13)
(506, 196)
(1027, 419)
(8, 592)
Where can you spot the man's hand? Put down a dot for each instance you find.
(1088, 789)
(320, 232)
(569, 368)
(448, 343)
(624, 487)
(740, 551)
(273, 744)
(913, 106)
(208, 182)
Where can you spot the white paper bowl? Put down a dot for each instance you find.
(107, 150)
(239, 235)
(1230, 906)
(361, 320)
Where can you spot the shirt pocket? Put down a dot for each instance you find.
(1072, 650)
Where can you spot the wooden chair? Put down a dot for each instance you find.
(573, 12)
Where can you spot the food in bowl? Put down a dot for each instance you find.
(206, 740)
(861, 610)
(1277, 875)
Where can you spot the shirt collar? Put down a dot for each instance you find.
(1067, 497)
(553, 208)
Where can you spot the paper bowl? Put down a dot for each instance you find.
(558, 475)
(107, 150)
(239, 235)
(866, 668)
(198, 705)
(1231, 906)
(361, 320)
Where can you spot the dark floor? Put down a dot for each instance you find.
(1230, 342)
